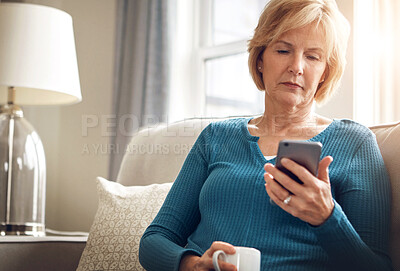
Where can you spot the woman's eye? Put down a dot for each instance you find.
(284, 52)
(313, 57)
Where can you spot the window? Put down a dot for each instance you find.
(210, 75)
(376, 39)
(228, 87)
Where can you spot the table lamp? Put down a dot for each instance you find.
(38, 66)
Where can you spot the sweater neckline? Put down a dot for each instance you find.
(250, 137)
(254, 139)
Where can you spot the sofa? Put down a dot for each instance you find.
(155, 156)
(150, 165)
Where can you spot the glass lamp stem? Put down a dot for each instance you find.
(10, 101)
(11, 128)
(10, 168)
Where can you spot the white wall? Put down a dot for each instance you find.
(71, 172)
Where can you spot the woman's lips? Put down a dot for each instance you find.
(292, 85)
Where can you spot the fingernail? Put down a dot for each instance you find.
(268, 175)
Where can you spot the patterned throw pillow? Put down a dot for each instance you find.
(122, 216)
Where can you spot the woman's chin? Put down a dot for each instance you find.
(290, 101)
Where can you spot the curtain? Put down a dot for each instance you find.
(387, 68)
(142, 70)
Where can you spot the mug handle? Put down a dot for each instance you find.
(215, 258)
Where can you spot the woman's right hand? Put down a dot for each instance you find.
(196, 263)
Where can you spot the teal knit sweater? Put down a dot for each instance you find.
(219, 195)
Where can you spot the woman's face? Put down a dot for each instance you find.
(293, 66)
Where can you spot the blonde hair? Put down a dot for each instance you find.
(280, 16)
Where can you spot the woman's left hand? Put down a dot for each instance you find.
(311, 201)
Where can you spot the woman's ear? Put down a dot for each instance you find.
(321, 81)
(260, 65)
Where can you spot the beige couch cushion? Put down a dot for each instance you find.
(388, 137)
(155, 155)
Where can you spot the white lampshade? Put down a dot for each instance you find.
(37, 55)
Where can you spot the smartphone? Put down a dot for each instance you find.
(304, 153)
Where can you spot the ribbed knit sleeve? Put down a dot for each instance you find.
(356, 235)
(162, 245)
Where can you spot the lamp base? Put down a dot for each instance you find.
(27, 229)
(22, 175)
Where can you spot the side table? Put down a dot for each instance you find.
(20, 253)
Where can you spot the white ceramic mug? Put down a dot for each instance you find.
(245, 259)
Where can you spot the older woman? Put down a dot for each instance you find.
(221, 198)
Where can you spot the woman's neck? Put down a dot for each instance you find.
(285, 124)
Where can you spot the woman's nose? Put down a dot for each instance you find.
(296, 66)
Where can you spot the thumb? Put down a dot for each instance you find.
(323, 168)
